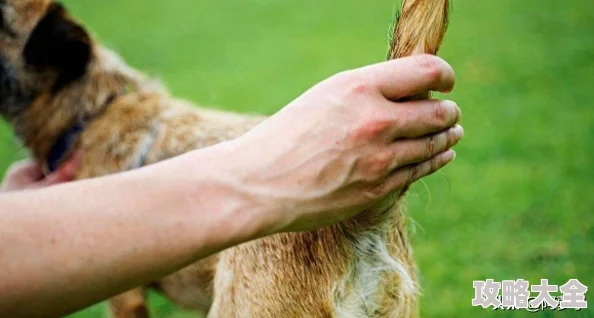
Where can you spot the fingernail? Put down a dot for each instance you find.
(449, 156)
(458, 131)
(452, 110)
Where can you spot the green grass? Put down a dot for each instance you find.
(519, 200)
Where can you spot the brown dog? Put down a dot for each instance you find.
(61, 91)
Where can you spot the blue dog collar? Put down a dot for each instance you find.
(62, 146)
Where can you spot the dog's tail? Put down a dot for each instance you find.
(419, 28)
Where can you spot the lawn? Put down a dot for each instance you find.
(519, 200)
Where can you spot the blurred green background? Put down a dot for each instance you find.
(519, 200)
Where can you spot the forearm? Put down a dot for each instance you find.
(348, 146)
(69, 246)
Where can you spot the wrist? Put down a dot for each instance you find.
(235, 214)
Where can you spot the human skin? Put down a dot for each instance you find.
(341, 146)
(28, 175)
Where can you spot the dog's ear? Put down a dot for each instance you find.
(59, 44)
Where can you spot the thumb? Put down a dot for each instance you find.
(26, 170)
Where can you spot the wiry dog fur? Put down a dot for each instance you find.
(54, 75)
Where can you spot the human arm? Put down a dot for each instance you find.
(339, 147)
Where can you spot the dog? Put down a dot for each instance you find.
(61, 91)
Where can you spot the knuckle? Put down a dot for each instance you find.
(429, 146)
(430, 66)
(352, 83)
(359, 86)
(441, 111)
(413, 173)
(371, 128)
(376, 191)
(379, 164)
(445, 112)
(442, 142)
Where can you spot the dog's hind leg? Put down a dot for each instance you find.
(131, 304)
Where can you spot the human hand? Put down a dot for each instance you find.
(348, 142)
(27, 175)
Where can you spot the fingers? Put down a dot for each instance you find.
(420, 118)
(25, 170)
(413, 151)
(21, 175)
(410, 76)
(413, 119)
(27, 174)
(409, 174)
(404, 153)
